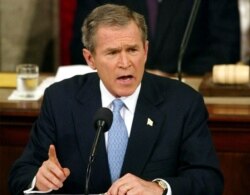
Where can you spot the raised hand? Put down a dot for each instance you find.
(51, 175)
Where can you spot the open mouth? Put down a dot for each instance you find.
(127, 77)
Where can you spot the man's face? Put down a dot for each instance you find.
(119, 57)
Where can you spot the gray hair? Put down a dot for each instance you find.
(110, 15)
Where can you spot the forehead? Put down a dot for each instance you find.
(107, 34)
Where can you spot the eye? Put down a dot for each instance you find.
(112, 52)
(132, 50)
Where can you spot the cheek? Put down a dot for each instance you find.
(105, 72)
(140, 63)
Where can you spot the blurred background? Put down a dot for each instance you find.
(33, 31)
(29, 33)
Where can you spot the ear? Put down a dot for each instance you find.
(146, 49)
(89, 58)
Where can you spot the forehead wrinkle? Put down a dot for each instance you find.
(122, 45)
(119, 39)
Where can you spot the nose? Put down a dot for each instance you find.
(124, 61)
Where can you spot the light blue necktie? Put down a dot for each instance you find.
(117, 141)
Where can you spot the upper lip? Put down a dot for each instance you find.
(126, 75)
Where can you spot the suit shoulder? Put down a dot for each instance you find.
(73, 84)
(170, 85)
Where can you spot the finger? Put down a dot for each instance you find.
(124, 185)
(56, 170)
(41, 182)
(66, 172)
(46, 180)
(135, 191)
(52, 155)
(52, 181)
(114, 188)
(124, 189)
(53, 158)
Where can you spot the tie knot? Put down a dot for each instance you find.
(118, 104)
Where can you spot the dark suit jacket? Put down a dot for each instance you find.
(177, 147)
(215, 38)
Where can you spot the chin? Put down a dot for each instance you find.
(124, 91)
(125, 94)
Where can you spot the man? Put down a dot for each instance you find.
(215, 38)
(169, 149)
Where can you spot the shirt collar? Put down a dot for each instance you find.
(129, 101)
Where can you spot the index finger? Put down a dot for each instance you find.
(53, 156)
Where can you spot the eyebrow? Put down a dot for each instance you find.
(119, 48)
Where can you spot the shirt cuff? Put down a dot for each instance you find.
(167, 184)
(31, 189)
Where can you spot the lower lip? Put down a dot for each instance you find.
(127, 81)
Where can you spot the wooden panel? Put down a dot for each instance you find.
(8, 155)
(236, 171)
(15, 133)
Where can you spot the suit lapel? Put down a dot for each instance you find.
(88, 101)
(145, 129)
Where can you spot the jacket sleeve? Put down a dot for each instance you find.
(25, 168)
(198, 169)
